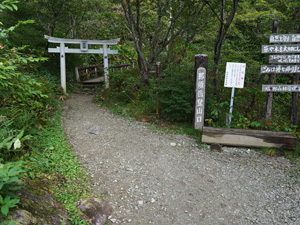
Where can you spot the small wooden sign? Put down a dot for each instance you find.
(284, 38)
(280, 49)
(280, 69)
(284, 59)
(281, 88)
(200, 98)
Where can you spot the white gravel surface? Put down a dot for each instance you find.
(158, 178)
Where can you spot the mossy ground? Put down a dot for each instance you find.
(52, 159)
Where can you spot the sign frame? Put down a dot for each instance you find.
(235, 75)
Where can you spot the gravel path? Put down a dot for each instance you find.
(159, 178)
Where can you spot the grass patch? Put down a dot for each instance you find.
(53, 159)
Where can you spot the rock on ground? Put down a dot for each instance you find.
(158, 178)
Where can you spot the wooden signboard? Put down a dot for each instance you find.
(281, 88)
(284, 59)
(280, 49)
(280, 69)
(272, 70)
(284, 38)
(200, 98)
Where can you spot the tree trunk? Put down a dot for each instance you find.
(223, 28)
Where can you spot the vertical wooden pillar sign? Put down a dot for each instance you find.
(200, 98)
(201, 62)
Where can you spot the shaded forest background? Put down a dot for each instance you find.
(169, 31)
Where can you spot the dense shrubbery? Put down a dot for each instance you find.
(176, 94)
(25, 103)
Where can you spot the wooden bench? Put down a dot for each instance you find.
(248, 138)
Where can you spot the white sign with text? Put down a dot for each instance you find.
(235, 75)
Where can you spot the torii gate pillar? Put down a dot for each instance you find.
(63, 79)
(84, 49)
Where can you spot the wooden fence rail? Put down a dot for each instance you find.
(95, 73)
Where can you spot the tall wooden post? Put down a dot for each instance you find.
(295, 99)
(158, 65)
(201, 63)
(271, 79)
(63, 67)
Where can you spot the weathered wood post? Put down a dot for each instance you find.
(295, 97)
(201, 63)
(158, 65)
(271, 80)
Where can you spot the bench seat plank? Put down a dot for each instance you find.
(248, 138)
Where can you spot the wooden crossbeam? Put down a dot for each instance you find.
(248, 138)
(79, 41)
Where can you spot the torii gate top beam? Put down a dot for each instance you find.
(78, 41)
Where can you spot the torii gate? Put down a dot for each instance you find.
(84, 48)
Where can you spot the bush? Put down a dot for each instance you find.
(176, 94)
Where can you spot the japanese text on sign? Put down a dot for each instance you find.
(200, 98)
(282, 38)
(284, 59)
(235, 75)
(280, 49)
(280, 69)
(281, 88)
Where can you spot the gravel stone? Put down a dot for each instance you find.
(132, 162)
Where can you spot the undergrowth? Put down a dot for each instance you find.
(52, 158)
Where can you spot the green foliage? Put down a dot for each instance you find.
(53, 159)
(176, 94)
(11, 145)
(8, 4)
(10, 175)
(127, 92)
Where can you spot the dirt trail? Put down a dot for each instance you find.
(159, 178)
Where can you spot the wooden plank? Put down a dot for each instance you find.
(284, 38)
(286, 69)
(281, 88)
(86, 51)
(90, 67)
(94, 80)
(284, 58)
(91, 72)
(248, 138)
(280, 49)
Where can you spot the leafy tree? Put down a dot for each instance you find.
(154, 26)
